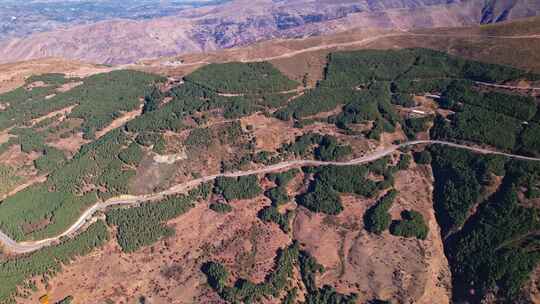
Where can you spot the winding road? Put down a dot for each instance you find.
(30, 246)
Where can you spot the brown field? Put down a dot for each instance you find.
(14, 74)
(169, 272)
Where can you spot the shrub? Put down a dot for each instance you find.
(244, 187)
(377, 219)
(416, 125)
(271, 214)
(283, 178)
(278, 196)
(66, 300)
(459, 177)
(201, 137)
(51, 159)
(479, 125)
(216, 274)
(132, 155)
(309, 268)
(496, 253)
(221, 208)
(404, 162)
(411, 225)
(330, 150)
(321, 198)
(404, 100)
(423, 157)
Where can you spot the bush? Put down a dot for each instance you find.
(309, 268)
(529, 140)
(377, 219)
(302, 144)
(321, 198)
(244, 187)
(30, 140)
(271, 214)
(497, 251)
(51, 159)
(416, 125)
(330, 150)
(411, 225)
(221, 208)
(423, 157)
(216, 274)
(315, 101)
(66, 300)
(148, 139)
(459, 176)
(132, 155)
(517, 106)
(283, 178)
(278, 196)
(353, 68)
(479, 125)
(404, 100)
(404, 162)
(347, 179)
(201, 137)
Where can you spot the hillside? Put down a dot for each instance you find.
(241, 23)
(510, 43)
(362, 167)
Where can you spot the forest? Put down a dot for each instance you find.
(16, 273)
(238, 78)
(144, 225)
(500, 235)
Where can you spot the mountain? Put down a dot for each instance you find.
(22, 18)
(242, 22)
(366, 166)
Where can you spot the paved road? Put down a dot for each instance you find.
(27, 247)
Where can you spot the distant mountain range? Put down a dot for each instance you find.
(116, 32)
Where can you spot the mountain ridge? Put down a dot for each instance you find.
(241, 23)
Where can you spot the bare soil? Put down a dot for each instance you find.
(169, 272)
(384, 267)
(120, 121)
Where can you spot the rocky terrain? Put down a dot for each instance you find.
(242, 22)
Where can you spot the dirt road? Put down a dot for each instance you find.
(360, 42)
(27, 247)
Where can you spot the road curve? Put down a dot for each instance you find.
(30, 246)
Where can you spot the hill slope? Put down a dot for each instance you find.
(240, 184)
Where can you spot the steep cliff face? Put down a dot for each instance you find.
(242, 22)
